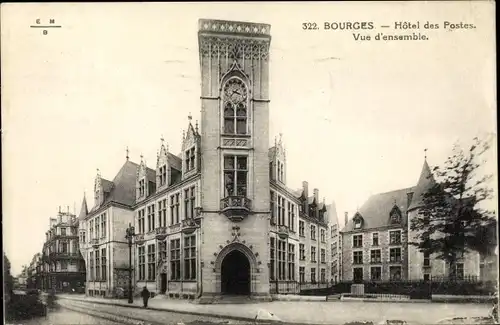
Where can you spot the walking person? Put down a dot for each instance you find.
(145, 296)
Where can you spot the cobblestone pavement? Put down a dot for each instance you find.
(126, 315)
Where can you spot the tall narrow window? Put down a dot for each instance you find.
(140, 221)
(97, 266)
(142, 188)
(162, 213)
(313, 254)
(175, 259)
(190, 258)
(103, 225)
(172, 210)
(142, 263)
(302, 274)
(273, 216)
(272, 259)
(177, 207)
(190, 159)
(235, 107)
(151, 262)
(302, 252)
(281, 259)
(151, 217)
(235, 175)
(104, 264)
(163, 175)
(301, 228)
(291, 262)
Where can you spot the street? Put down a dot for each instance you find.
(65, 317)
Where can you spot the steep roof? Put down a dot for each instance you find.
(174, 161)
(425, 182)
(151, 174)
(376, 210)
(84, 209)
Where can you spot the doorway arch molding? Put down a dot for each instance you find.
(252, 259)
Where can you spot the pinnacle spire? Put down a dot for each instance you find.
(127, 157)
(84, 209)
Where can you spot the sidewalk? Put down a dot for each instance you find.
(317, 312)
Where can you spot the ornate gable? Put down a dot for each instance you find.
(142, 183)
(163, 172)
(278, 161)
(190, 150)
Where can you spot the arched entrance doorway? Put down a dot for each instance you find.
(235, 274)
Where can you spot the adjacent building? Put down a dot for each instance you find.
(62, 267)
(376, 240)
(217, 218)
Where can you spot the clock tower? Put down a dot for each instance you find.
(234, 248)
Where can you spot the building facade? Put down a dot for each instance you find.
(376, 240)
(62, 267)
(218, 218)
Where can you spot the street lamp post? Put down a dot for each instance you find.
(130, 235)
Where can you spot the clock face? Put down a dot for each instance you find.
(235, 91)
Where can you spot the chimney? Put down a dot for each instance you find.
(305, 187)
(409, 197)
(346, 218)
(316, 198)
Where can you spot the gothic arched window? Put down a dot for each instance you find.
(235, 107)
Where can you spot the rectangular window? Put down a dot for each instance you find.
(190, 258)
(140, 221)
(281, 259)
(427, 277)
(313, 275)
(323, 256)
(151, 218)
(375, 239)
(189, 198)
(291, 262)
(103, 225)
(313, 232)
(142, 188)
(357, 241)
(63, 231)
(375, 256)
(272, 207)
(64, 265)
(302, 274)
(235, 176)
(97, 266)
(163, 175)
(357, 257)
(357, 274)
(175, 259)
(395, 255)
(301, 228)
(395, 273)
(323, 237)
(376, 273)
(97, 227)
(302, 252)
(395, 237)
(281, 211)
(104, 264)
(162, 213)
(313, 254)
(177, 208)
(272, 259)
(190, 159)
(151, 262)
(142, 263)
(323, 275)
(427, 259)
(292, 222)
(289, 214)
(91, 224)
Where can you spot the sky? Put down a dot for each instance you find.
(355, 116)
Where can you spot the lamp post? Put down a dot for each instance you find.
(130, 235)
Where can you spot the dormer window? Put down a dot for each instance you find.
(142, 188)
(97, 192)
(395, 215)
(281, 171)
(163, 175)
(358, 221)
(190, 159)
(357, 224)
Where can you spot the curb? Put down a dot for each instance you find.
(239, 318)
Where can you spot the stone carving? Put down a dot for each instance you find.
(218, 47)
(234, 27)
(235, 142)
